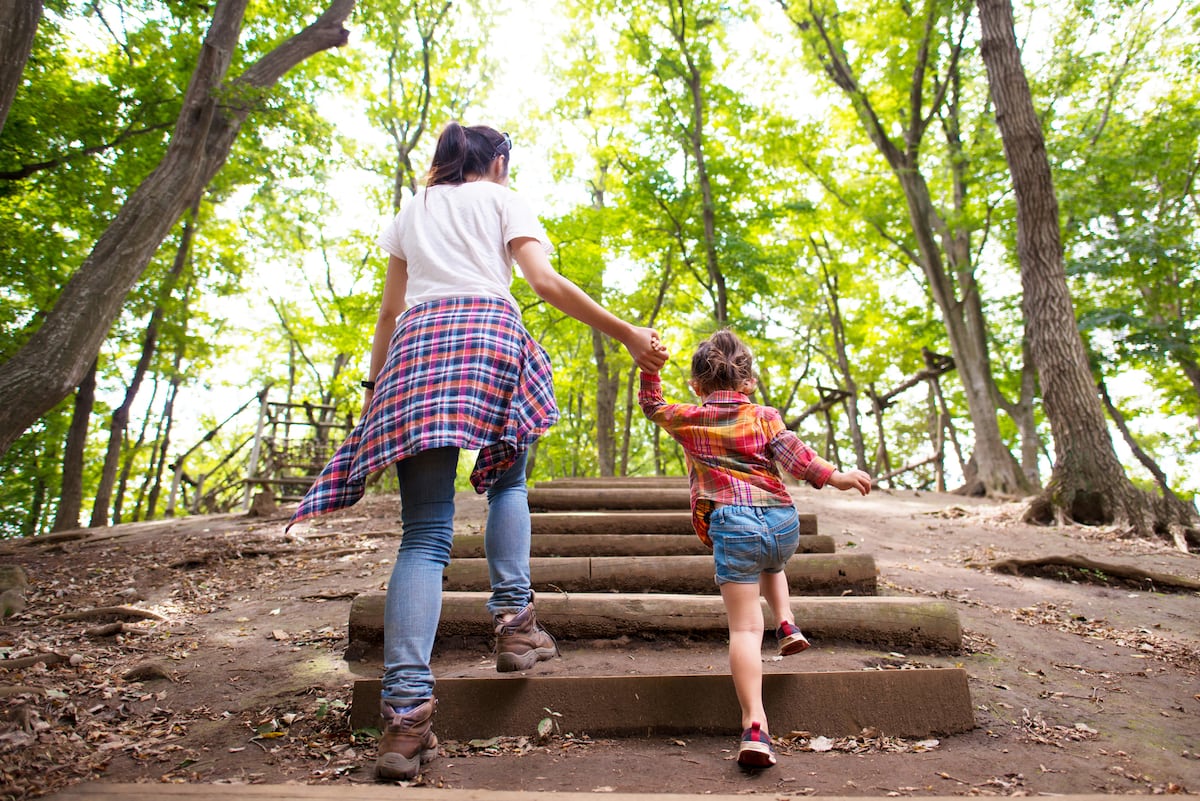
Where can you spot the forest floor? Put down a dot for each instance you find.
(1079, 682)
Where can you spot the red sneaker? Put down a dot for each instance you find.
(790, 639)
(755, 750)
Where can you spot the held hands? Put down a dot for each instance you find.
(855, 479)
(647, 350)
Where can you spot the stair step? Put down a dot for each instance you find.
(899, 703)
(630, 522)
(641, 482)
(556, 499)
(808, 574)
(470, 546)
(922, 623)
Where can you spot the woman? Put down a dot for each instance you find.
(452, 367)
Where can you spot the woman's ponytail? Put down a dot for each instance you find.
(449, 156)
(464, 151)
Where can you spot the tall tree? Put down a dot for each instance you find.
(419, 64)
(208, 123)
(120, 416)
(917, 92)
(671, 58)
(70, 501)
(684, 60)
(1088, 484)
(436, 64)
(18, 24)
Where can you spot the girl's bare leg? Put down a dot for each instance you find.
(774, 588)
(744, 610)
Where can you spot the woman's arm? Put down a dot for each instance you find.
(561, 293)
(391, 306)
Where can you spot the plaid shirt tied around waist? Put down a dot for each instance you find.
(460, 372)
(732, 448)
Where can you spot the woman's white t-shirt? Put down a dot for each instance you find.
(455, 239)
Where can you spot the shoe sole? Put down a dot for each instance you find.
(792, 646)
(393, 767)
(755, 755)
(509, 662)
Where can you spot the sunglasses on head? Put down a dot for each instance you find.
(505, 146)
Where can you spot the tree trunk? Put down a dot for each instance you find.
(405, 139)
(164, 444)
(18, 24)
(607, 385)
(70, 500)
(846, 379)
(120, 416)
(131, 454)
(997, 471)
(1191, 371)
(1134, 446)
(694, 132)
(883, 462)
(56, 357)
(1088, 484)
(708, 211)
(608, 380)
(937, 437)
(632, 412)
(37, 504)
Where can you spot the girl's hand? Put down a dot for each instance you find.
(855, 479)
(647, 349)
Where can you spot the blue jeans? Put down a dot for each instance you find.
(414, 593)
(749, 540)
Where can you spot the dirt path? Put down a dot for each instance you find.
(1078, 686)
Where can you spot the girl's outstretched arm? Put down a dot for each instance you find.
(851, 480)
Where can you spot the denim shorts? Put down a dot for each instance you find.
(749, 540)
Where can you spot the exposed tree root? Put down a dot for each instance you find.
(55, 539)
(1125, 572)
(148, 671)
(106, 612)
(1143, 514)
(30, 661)
(113, 629)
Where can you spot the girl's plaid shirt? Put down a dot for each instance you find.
(732, 448)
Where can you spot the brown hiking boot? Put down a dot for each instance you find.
(521, 643)
(408, 740)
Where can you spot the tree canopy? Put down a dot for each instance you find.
(191, 197)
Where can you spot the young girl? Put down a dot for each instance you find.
(742, 510)
(453, 367)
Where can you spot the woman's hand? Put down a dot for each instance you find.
(647, 349)
(855, 479)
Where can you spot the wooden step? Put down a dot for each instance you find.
(808, 574)
(900, 703)
(631, 522)
(352, 790)
(640, 482)
(470, 546)
(631, 498)
(903, 623)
